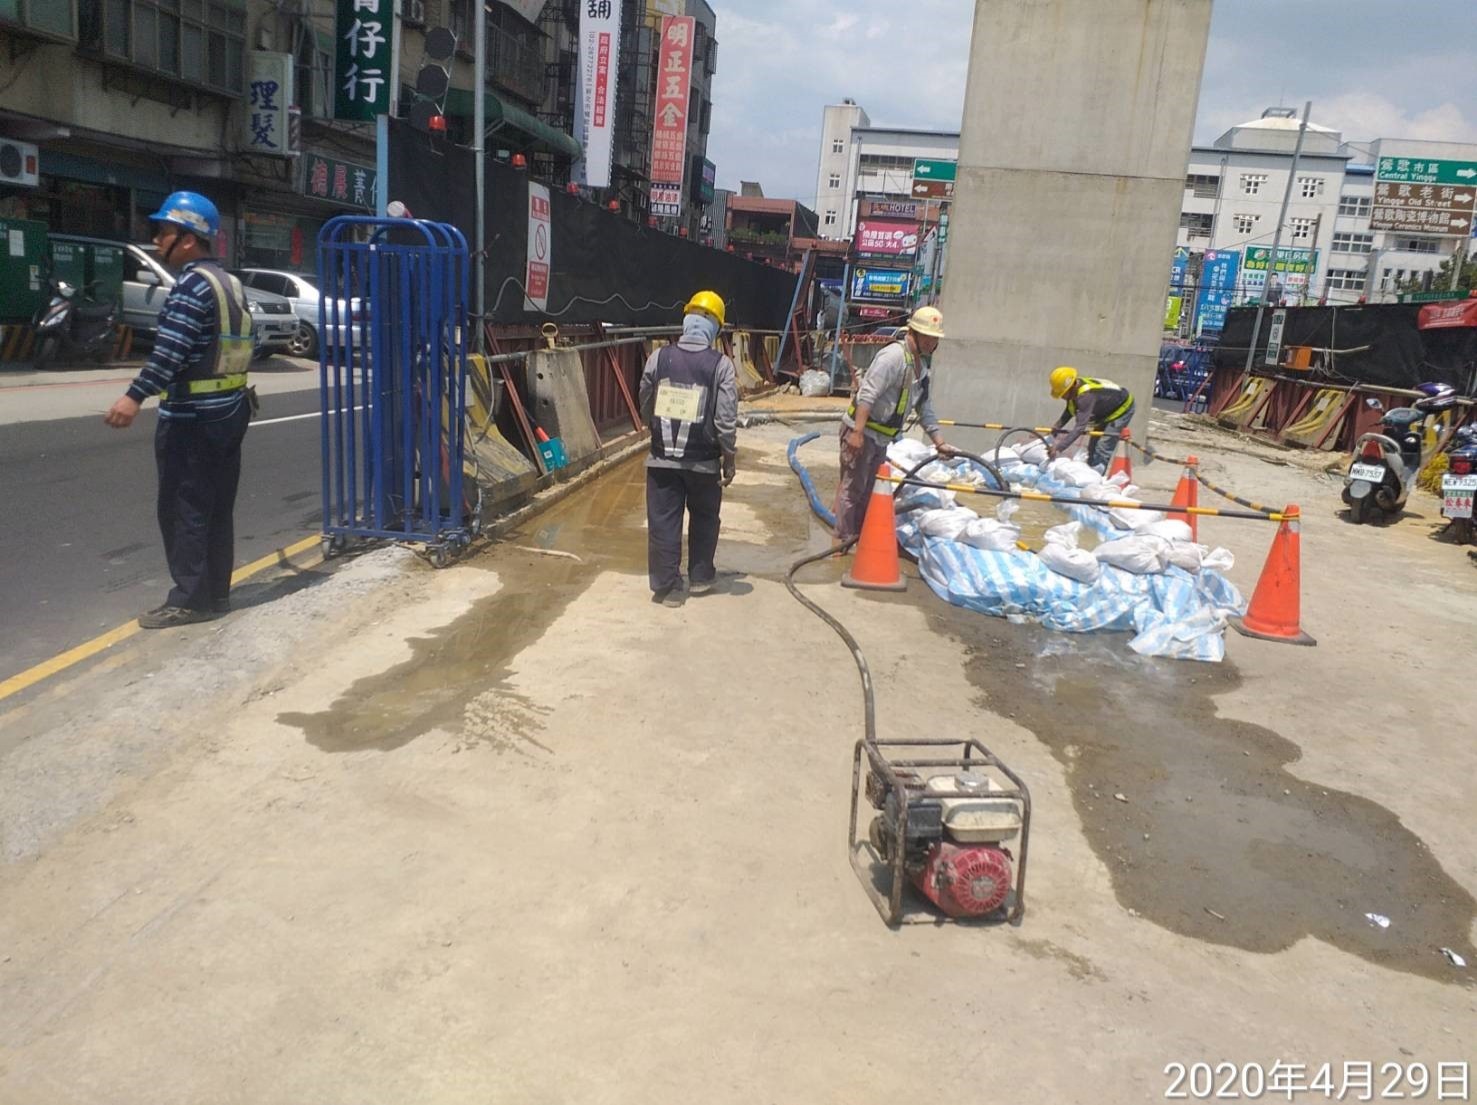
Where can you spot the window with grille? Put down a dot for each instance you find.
(1197, 224)
(1353, 243)
(1354, 205)
(49, 17)
(1416, 245)
(1251, 183)
(200, 42)
(1346, 280)
(1245, 224)
(1204, 187)
(315, 73)
(1310, 187)
(1302, 229)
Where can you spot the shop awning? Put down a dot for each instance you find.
(1448, 316)
(499, 112)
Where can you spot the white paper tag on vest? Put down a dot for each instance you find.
(679, 402)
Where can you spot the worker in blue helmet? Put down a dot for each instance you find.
(198, 367)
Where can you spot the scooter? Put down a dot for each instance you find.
(70, 329)
(1386, 464)
(1459, 485)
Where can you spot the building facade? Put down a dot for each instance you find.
(1233, 196)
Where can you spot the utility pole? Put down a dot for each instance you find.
(382, 122)
(1312, 258)
(1261, 305)
(1458, 256)
(479, 160)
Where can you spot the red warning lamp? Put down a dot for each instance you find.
(572, 188)
(519, 161)
(682, 233)
(651, 221)
(437, 124)
(614, 205)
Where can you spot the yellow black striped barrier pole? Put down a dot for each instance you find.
(1290, 515)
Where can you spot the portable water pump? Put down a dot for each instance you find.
(945, 826)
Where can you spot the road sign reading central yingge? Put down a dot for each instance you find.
(599, 62)
(669, 127)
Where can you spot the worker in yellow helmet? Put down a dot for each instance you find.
(1092, 403)
(894, 384)
(689, 398)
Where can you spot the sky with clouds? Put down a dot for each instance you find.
(1373, 69)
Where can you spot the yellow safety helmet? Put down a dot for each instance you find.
(928, 321)
(709, 303)
(1062, 379)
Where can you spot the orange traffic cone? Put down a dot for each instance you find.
(1187, 493)
(1121, 462)
(875, 566)
(1274, 610)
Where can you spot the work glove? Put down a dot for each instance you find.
(730, 468)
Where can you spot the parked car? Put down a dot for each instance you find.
(301, 290)
(146, 282)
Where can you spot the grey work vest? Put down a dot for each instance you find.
(690, 374)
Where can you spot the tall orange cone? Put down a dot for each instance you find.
(1274, 611)
(1187, 493)
(1121, 462)
(875, 566)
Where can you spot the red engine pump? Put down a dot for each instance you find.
(965, 880)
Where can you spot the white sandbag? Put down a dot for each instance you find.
(1185, 554)
(1074, 563)
(905, 452)
(1141, 556)
(1103, 492)
(1132, 518)
(1066, 535)
(1120, 479)
(1171, 529)
(1218, 560)
(815, 382)
(1073, 472)
(946, 523)
(1034, 452)
(990, 535)
(1003, 457)
(1007, 510)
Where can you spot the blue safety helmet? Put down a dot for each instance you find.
(1436, 397)
(189, 211)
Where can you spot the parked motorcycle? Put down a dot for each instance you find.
(70, 328)
(1459, 485)
(1386, 464)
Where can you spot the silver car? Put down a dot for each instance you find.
(146, 282)
(301, 290)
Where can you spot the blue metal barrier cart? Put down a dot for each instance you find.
(393, 366)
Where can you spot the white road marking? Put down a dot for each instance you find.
(291, 418)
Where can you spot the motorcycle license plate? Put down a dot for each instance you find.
(1369, 473)
(1456, 495)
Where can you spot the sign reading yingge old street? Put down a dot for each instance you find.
(363, 30)
(599, 63)
(1423, 208)
(669, 126)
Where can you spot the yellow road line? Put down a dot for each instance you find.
(73, 656)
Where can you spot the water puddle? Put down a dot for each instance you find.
(457, 678)
(1217, 840)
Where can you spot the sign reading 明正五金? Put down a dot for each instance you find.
(364, 36)
(327, 178)
(669, 125)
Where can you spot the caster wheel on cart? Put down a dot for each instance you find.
(440, 556)
(334, 546)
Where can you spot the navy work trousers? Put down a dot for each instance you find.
(671, 492)
(199, 461)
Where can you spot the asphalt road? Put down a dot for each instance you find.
(81, 552)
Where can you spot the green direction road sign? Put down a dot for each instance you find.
(1421, 170)
(1429, 297)
(928, 169)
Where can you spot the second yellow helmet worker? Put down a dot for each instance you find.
(709, 303)
(1062, 379)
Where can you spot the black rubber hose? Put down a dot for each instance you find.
(1001, 484)
(1000, 442)
(869, 705)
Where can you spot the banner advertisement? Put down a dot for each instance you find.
(880, 283)
(890, 238)
(669, 125)
(595, 79)
(1218, 271)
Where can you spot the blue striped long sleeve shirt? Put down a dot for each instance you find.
(188, 324)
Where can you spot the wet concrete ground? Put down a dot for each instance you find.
(1218, 839)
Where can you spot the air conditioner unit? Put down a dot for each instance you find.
(20, 164)
(415, 12)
